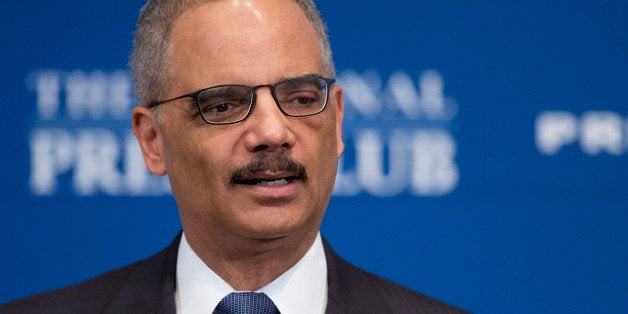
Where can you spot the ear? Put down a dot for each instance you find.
(340, 107)
(148, 134)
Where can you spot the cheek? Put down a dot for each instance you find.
(200, 180)
(323, 151)
(195, 163)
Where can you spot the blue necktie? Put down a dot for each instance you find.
(246, 303)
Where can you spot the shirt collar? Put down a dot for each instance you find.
(301, 289)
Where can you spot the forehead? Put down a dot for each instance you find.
(245, 41)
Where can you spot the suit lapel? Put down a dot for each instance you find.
(337, 297)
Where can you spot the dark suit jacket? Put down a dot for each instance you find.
(148, 287)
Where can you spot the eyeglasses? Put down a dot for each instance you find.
(225, 104)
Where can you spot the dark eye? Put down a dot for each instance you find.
(218, 108)
(301, 98)
(225, 103)
(222, 108)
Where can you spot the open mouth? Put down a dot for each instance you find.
(267, 182)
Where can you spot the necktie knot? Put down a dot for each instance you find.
(246, 303)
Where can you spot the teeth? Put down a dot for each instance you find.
(274, 182)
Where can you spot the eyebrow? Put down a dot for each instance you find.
(281, 79)
(304, 76)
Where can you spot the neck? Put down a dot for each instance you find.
(250, 264)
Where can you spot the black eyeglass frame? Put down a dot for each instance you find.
(253, 89)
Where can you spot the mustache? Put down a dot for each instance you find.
(269, 161)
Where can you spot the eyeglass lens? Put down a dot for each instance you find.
(232, 103)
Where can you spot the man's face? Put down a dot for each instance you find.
(246, 42)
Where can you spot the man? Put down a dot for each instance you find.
(241, 111)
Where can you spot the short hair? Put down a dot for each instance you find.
(152, 44)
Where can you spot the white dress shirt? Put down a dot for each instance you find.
(301, 289)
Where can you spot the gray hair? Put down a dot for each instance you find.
(152, 45)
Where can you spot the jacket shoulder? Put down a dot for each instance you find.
(139, 287)
(354, 290)
(86, 297)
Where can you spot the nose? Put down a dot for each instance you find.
(268, 128)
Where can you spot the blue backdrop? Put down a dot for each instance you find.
(487, 141)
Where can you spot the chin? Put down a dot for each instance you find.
(269, 228)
